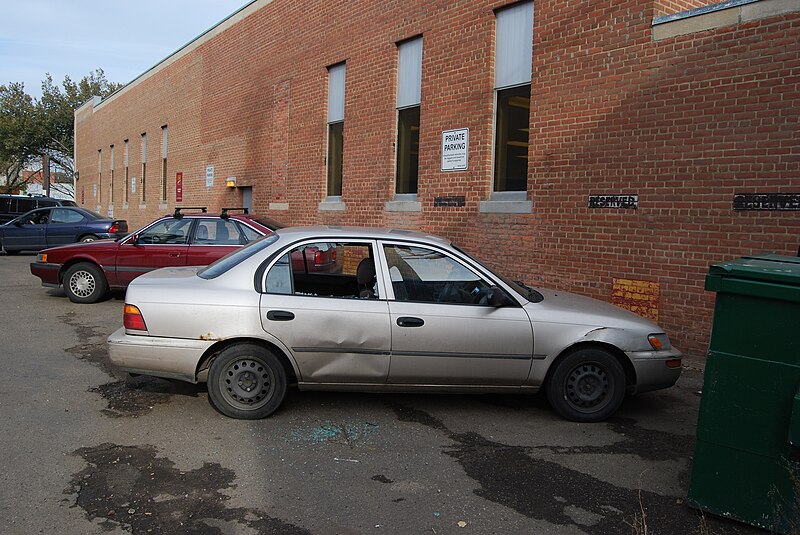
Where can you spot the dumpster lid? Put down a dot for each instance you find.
(769, 267)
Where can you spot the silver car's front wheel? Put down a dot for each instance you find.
(246, 381)
(587, 385)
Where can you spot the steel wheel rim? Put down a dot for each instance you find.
(82, 283)
(588, 387)
(87, 239)
(247, 383)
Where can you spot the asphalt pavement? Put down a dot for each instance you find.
(86, 449)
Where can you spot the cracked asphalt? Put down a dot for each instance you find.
(86, 449)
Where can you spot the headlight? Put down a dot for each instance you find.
(42, 257)
(659, 341)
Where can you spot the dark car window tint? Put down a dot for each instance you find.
(38, 217)
(167, 231)
(326, 269)
(249, 234)
(45, 203)
(24, 205)
(236, 257)
(69, 203)
(421, 274)
(63, 215)
(217, 232)
(5, 204)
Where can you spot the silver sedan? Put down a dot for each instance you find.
(338, 308)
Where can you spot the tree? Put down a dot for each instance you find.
(30, 128)
(21, 133)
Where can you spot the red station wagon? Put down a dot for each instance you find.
(88, 270)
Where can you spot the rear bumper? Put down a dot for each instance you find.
(173, 358)
(47, 272)
(652, 371)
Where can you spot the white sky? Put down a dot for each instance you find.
(73, 37)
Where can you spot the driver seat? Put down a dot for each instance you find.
(366, 279)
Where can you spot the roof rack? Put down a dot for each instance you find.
(225, 215)
(177, 213)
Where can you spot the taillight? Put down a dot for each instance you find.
(133, 319)
(114, 229)
(318, 257)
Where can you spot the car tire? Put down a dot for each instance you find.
(11, 252)
(246, 381)
(84, 283)
(88, 238)
(587, 385)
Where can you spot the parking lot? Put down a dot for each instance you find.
(89, 450)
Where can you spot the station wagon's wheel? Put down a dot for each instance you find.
(246, 381)
(587, 385)
(88, 238)
(84, 283)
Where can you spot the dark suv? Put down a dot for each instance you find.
(12, 206)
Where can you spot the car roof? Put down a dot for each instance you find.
(350, 232)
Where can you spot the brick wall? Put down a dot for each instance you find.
(684, 123)
(669, 7)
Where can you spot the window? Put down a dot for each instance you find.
(409, 84)
(249, 234)
(218, 232)
(99, 176)
(144, 165)
(325, 269)
(336, 78)
(513, 58)
(62, 215)
(111, 180)
(127, 185)
(40, 217)
(164, 163)
(421, 274)
(167, 231)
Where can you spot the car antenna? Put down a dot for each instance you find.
(177, 213)
(225, 215)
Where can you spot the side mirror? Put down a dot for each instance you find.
(18, 223)
(498, 298)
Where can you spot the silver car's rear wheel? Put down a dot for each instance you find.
(246, 381)
(587, 385)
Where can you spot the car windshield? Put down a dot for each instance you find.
(236, 257)
(522, 289)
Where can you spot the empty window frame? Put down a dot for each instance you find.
(336, 83)
(111, 179)
(409, 84)
(127, 178)
(164, 163)
(144, 166)
(99, 176)
(513, 59)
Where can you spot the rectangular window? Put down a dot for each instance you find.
(336, 79)
(111, 180)
(409, 88)
(512, 82)
(164, 163)
(127, 185)
(99, 176)
(144, 165)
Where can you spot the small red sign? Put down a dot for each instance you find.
(178, 187)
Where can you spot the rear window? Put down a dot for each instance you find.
(238, 256)
(69, 203)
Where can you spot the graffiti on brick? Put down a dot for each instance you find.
(640, 297)
(767, 201)
(629, 202)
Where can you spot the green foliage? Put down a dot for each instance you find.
(30, 128)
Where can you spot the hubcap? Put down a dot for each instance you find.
(587, 386)
(82, 283)
(248, 383)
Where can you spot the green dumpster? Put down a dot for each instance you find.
(748, 432)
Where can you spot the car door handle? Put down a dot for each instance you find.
(280, 315)
(407, 321)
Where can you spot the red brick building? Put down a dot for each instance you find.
(637, 150)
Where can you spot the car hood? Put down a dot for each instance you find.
(84, 245)
(565, 307)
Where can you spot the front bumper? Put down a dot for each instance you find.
(652, 372)
(173, 358)
(47, 272)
